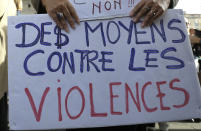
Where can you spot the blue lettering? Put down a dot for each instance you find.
(85, 54)
(43, 32)
(70, 63)
(26, 61)
(50, 59)
(59, 42)
(131, 63)
(23, 26)
(82, 57)
(108, 26)
(183, 36)
(161, 33)
(139, 33)
(87, 28)
(103, 60)
(148, 59)
(90, 61)
(163, 55)
(129, 30)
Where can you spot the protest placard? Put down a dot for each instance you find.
(99, 9)
(106, 72)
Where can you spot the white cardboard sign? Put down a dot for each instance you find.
(104, 73)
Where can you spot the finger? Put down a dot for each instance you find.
(152, 15)
(64, 23)
(60, 22)
(53, 15)
(150, 21)
(68, 17)
(143, 11)
(137, 8)
(73, 12)
(158, 14)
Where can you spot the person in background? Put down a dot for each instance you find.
(195, 39)
(62, 10)
(195, 36)
(197, 33)
(7, 8)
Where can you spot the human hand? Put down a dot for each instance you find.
(60, 11)
(150, 10)
(194, 39)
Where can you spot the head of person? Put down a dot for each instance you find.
(192, 31)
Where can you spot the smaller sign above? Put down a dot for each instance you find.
(93, 9)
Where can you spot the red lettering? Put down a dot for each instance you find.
(137, 102)
(161, 95)
(112, 97)
(98, 6)
(186, 94)
(83, 102)
(115, 4)
(37, 114)
(143, 100)
(108, 3)
(131, 3)
(93, 113)
(59, 103)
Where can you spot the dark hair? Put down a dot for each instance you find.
(198, 33)
(196, 49)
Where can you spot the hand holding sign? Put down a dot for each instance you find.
(114, 74)
(60, 11)
(150, 9)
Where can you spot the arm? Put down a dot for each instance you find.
(11, 11)
(2, 45)
(3, 61)
(60, 11)
(150, 10)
